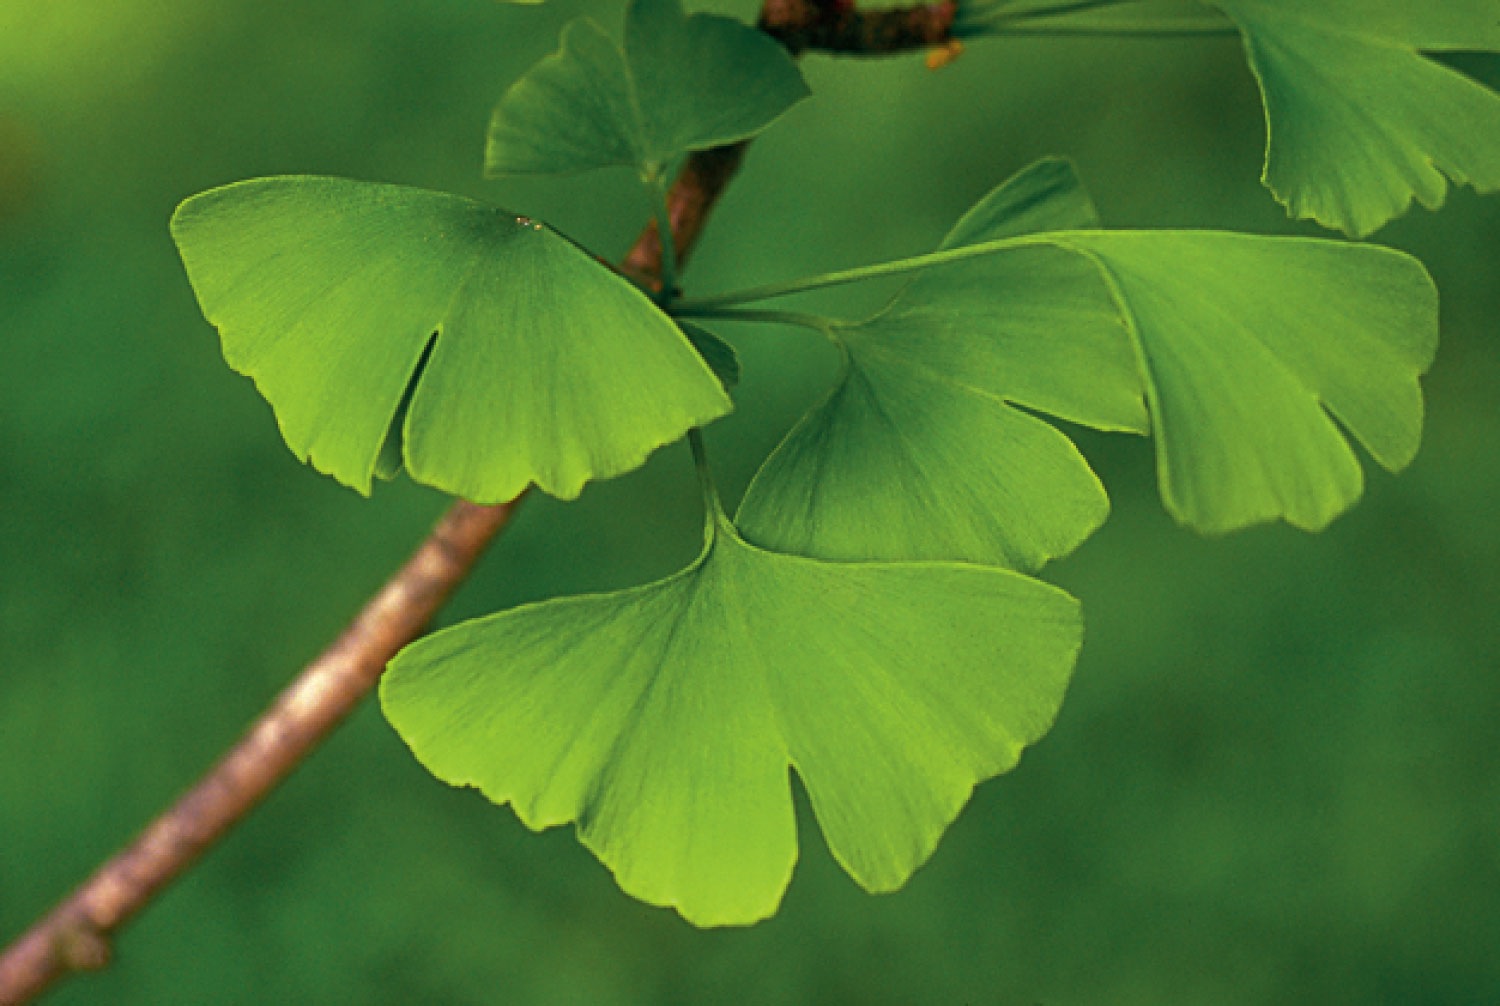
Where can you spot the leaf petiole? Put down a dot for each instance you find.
(700, 306)
(1061, 10)
(657, 182)
(713, 509)
(1185, 29)
(816, 322)
(982, 19)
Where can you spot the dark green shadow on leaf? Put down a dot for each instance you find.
(663, 720)
(681, 83)
(1359, 121)
(389, 463)
(718, 354)
(546, 368)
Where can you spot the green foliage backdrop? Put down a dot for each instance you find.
(1274, 779)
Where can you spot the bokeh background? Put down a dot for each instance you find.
(1275, 780)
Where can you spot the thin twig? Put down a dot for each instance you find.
(78, 934)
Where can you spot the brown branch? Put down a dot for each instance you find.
(77, 934)
(699, 186)
(837, 27)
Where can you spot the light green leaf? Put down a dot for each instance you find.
(718, 354)
(680, 84)
(920, 452)
(1254, 354)
(544, 366)
(1359, 120)
(663, 719)
(1255, 351)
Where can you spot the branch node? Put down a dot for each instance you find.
(840, 28)
(81, 946)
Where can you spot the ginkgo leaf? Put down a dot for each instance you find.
(663, 719)
(1359, 120)
(680, 83)
(718, 354)
(1046, 195)
(1256, 351)
(541, 365)
(920, 452)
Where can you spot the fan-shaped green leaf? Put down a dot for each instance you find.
(718, 354)
(1251, 353)
(1252, 347)
(1046, 195)
(1359, 120)
(681, 83)
(544, 366)
(919, 452)
(663, 719)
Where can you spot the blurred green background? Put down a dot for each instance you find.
(1275, 779)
